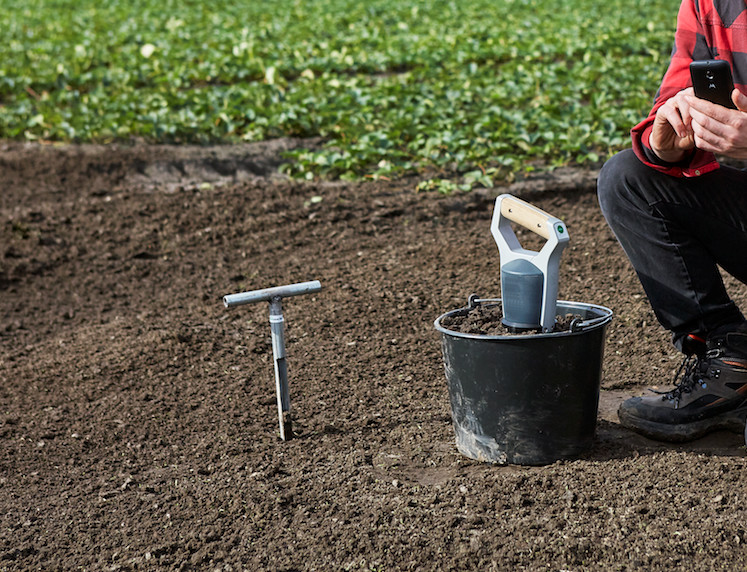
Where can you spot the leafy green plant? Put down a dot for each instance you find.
(390, 85)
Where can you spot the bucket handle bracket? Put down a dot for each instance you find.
(578, 325)
(473, 301)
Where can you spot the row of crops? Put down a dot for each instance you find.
(484, 88)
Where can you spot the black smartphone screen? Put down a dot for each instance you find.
(712, 81)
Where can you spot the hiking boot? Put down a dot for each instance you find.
(711, 394)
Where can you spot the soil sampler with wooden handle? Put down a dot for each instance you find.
(529, 279)
(531, 396)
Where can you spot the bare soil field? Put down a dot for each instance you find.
(138, 422)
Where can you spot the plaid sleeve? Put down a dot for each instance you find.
(689, 44)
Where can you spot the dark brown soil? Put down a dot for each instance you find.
(485, 319)
(138, 423)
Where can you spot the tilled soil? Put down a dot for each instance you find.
(138, 421)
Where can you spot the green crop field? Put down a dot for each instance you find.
(482, 88)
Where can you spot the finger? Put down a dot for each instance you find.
(704, 139)
(704, 144)
(704, 122)
(709, 146)
(670, 113)
(705, 107)
(739, 99)
(682, 102)
(711, 135)
(719, 128)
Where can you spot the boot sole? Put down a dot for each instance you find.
(733, 421)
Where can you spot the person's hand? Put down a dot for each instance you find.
(718, 129)
(671, 135)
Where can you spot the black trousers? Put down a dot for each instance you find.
(676, 233)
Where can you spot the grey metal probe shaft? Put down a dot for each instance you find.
(277, 330)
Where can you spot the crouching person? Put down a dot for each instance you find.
(680, 215)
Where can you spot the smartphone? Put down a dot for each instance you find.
(712, 81)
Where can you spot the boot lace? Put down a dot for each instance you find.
(692, 372)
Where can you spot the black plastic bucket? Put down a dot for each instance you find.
(528, 399)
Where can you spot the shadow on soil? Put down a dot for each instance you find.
(615, 442)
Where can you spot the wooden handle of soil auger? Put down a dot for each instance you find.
(528, 216)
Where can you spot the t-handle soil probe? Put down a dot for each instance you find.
(277, 329)
(529, 280)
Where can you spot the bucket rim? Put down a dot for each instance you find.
(605, 313)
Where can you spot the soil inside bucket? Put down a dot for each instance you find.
(485, 319)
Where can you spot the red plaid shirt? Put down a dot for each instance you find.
(706, 30)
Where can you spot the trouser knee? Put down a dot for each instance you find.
(617, 182)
